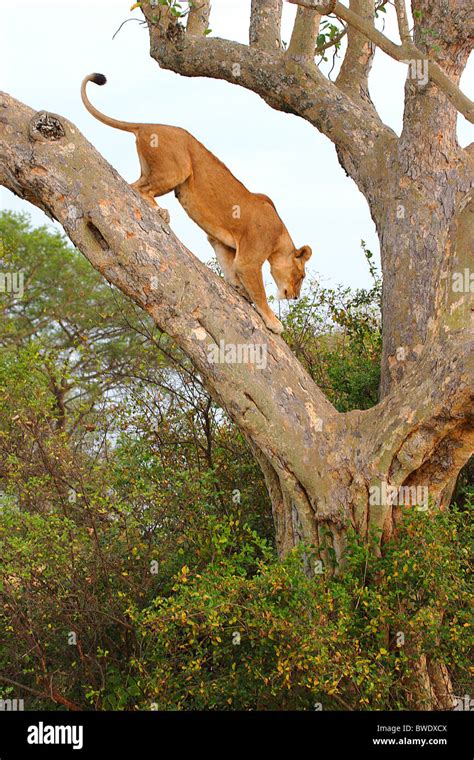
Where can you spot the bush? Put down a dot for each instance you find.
(246, 632)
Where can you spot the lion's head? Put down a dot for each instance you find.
(288, 271)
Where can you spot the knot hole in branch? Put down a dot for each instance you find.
(176, 33)
(98, 236)
(47, 126)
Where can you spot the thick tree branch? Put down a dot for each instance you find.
(445, 32)
(318, 464)
(125, 240)
(284, 83)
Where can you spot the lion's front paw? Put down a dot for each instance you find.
(241, 291)
(274, 324)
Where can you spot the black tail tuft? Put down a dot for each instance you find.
(98, 79)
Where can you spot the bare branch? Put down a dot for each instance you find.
(49, 693)
(402, 19)
(305, 32)
(198, 18)
(265, 24)
(355, 69)
(286, 85)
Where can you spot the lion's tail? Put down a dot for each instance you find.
(100, 80)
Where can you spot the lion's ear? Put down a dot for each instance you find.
(304, 253)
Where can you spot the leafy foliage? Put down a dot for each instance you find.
(233, 629)
(336, 334)
(249, 633)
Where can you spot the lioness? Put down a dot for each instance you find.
(243, 227)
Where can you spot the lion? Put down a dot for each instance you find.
(244, 228)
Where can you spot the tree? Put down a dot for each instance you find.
(324, 470)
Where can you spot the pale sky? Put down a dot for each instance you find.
(48, 46)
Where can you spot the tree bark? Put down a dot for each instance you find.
(305, 31)
(198, 19)
(355, 69)
(265, 23)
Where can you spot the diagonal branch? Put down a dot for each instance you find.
(49, 693)
(124, 239)
(405, 52)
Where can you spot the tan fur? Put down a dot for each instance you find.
(243, 227)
